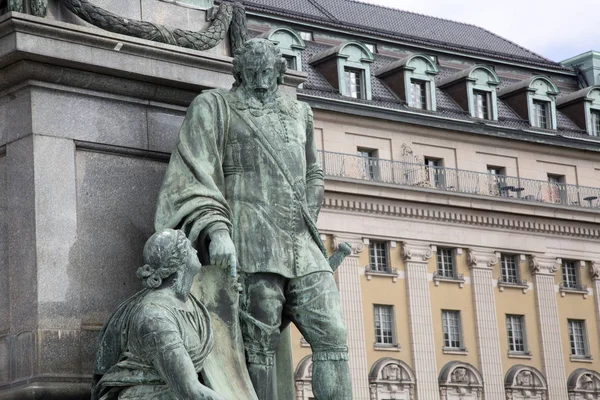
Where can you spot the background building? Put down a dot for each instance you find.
(463, 169)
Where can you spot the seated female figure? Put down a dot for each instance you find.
(155, 343)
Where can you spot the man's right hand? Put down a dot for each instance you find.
(222, 251)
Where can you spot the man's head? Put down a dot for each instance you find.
(258, 68)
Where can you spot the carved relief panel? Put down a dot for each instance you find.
(391, 379)
(525, 383)
(584, 384)
(460, 381)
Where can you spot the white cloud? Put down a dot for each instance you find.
(555, 29)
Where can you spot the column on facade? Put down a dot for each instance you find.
(486, 322)
(553, 362)
(420, 319)
(595, 275)
(348, 279)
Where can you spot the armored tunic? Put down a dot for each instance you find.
(225, 173)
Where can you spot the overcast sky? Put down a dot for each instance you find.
(556, 29)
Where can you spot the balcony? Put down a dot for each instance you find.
(404, 174)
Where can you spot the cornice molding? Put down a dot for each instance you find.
(544, 265)
(371, 206)
(355, 241)
(481, 259)
(416, 252)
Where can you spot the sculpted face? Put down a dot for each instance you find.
(259, 76)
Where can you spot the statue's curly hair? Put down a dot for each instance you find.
(257, 48)
(164, 254)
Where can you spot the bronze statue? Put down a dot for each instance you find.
(245, 183)
(155, 344)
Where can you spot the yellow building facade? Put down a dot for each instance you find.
(467, 184)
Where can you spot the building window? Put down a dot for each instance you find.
(515, 328)
(353, 79)
(435, 171)
(291, 61)
(371, 47)
(569, 274)
(418, 94)
(558, 189)
(540, 114)
(451, 328)
(445, 263)
(595, 123)
(378, 258)
(482, 104)
(497, 181)
(369, 163)
(509, 269)
(306, 35)
(384, 325)
(577, 338)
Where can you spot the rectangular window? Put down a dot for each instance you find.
(306, 35)
(497, 181)
(384, 324)
(569, 274)
(509, 268)
(378, 259)
(291, 62)
(595, 123)
(369, 163)
(558, 188)
(515, 329)
(435, 171)
(541, 114)
(577, 337)
(353, 79)
(482, 104)
(451, 328)
(445, 263)
(418, 94)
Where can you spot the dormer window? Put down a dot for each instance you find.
(291, 45)
(347, 68)
(418, 94)
(481, 100)
(534, 100)
(540, 114)
(583, 108)
(412, 81)
(353, 81)
(474, 89)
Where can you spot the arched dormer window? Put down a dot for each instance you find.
(533, 99)
(303, 379)
(347, 68)
(583, 108)
(290, 43)
(391, 379)
(522, 381)
(412, 80)
(474, 89)
(459, 379)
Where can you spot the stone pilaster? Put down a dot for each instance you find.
(486, 323)
(349, 285)
(553, 362)
(595, 275)
(420, 319)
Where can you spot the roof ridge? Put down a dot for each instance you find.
(453, 21)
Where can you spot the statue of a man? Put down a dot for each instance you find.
(246, 182)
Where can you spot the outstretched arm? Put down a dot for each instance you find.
(315, 184)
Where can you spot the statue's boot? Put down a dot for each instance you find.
(331, 380)
(264, 380)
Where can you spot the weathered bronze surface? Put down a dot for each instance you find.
(245, 184)
(156, 342)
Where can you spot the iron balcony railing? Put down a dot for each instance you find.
(457, 180)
